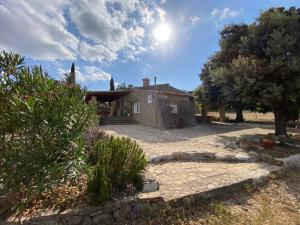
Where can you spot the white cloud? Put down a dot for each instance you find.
(97, 53)
(226, 13)
(105, 28)
(110, 26)
(194, 19)
(37, 29)
(91, 73)
(86, 74)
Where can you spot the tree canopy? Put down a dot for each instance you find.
(260, 64)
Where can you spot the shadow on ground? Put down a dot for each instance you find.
(152, 135)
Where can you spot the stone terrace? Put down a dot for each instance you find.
(202, 138)
(183, 178)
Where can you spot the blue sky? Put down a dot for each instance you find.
(116, 37)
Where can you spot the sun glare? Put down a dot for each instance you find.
(162, 33)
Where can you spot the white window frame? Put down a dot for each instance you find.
(150, 99)
(136, 107)
(174, 108)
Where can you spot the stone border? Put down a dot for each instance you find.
(139, 206)
(205, 157)
(149, 182)
(221, 191)
(108, 213)
(290, 162)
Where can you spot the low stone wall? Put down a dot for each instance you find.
(205, 157)
(121, 212)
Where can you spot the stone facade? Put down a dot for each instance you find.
(155, 108)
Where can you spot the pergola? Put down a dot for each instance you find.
(105, 96)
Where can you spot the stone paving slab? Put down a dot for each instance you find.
(202, 138)
(179, 179)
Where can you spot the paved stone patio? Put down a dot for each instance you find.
(184, 178)
(202, 138)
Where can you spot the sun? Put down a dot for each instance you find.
(162, 33)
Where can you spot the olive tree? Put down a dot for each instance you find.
(273, 42)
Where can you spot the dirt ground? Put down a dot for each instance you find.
(276, 203)
(248, 116)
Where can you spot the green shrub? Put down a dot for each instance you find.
(42, 126)
(115, 163)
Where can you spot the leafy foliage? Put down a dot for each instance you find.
(116, 163)
(42, 127)
(259, 65)
(211, 93)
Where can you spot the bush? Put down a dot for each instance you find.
(115, 163)
(93, 135)
(42, 127)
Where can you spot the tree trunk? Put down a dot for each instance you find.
(222, 113)
(239, 115)
(280, 121)
(204, 112)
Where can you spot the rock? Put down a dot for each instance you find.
(277, 162)
(253, 153)
(44, 222)
(125, 209)
(116, 215)
(102, 219)
(223, 157)
(292, 161)
(231, 144)
(243, 157)
(181, 156)
(161, 158)
(149, 182)
(74, 220)
(87, 221)
(245, 145)
(277, 142)
(266, 157)
(96, 213)
(203, 155)
(150, 187)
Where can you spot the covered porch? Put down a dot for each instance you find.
(110, 103)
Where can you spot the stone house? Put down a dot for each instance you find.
(160, 106)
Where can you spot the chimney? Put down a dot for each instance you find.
(146, 82)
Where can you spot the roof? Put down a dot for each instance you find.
(106, 96)
(162, 87)
(165, 89)
(175, 93)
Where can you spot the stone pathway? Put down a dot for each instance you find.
(188, 178)
(202, 138)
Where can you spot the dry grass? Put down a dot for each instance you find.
(248, 116)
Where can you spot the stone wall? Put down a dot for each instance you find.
(123, 212)
(158, 113)
(185, 116)
(147, 115)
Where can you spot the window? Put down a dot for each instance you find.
(136, 107)
(173, 108)
(150, 97)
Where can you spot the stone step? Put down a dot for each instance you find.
(114, 120)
